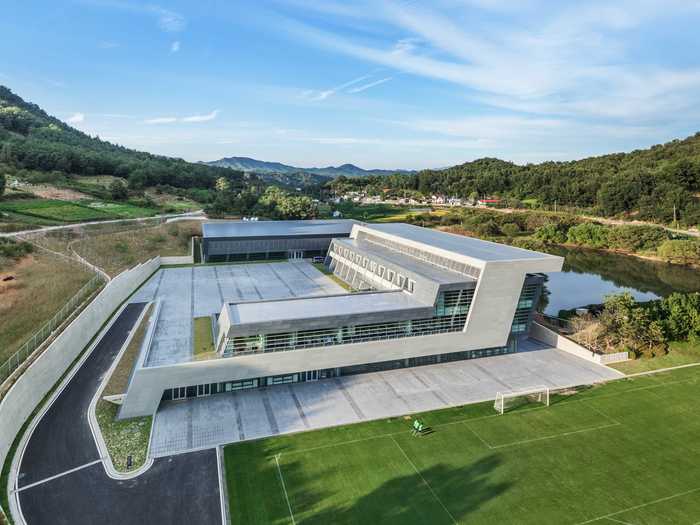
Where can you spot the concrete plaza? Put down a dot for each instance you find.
(197, 291)
(225, 418)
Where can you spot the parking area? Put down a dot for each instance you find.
(248, 414)
(199, 291)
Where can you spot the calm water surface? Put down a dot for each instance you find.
(588, 276)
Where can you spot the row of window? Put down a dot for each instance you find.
(343, 335)
(387, 274)
(521, 319)
(207, 389)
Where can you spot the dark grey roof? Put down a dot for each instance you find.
(276, 228)
(459, 244)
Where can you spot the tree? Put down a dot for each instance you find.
(2, 184)
(222, 184)
(118, 191)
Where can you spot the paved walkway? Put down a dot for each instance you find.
(225, 418)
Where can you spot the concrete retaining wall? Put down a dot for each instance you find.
(181, 259)
(31, 387)
(552, 338)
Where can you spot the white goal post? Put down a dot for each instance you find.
(537, 394)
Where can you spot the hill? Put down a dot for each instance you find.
(651, 183)
(32, 140)
(249, 165)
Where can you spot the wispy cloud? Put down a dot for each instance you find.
(108, 44)
(323, 95)
(364, 87)
(175, 46)
(76, 118)
(168, 20)
(202, 118)
(160, 120)
(572, 60)
(193, 118)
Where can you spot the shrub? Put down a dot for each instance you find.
(588, 234)
(636, 238)
(551, 234)
(510, 229)
(684, 251)
(488, 228)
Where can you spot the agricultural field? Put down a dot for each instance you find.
(115, 252)
(61, 211)
(38, 286)
(625, 452)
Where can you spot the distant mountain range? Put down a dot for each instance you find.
(262, 167)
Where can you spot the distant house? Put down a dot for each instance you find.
(490, 202)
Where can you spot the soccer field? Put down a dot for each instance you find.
(627, 452)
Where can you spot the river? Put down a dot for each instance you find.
(589, 275)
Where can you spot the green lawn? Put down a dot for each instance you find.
(679, 353)
(625, 452)
(203, 339)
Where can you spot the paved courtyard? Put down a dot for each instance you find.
(225, 418)
(199, 291)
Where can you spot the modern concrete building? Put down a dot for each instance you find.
(262, 240)
(417, 296)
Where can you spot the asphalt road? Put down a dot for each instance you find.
(177, 489)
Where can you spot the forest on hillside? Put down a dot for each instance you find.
(36, 144)
(647, 184)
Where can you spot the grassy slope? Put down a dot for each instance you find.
(680, 353)
(115, 252)
(601, 451)
(43, 284)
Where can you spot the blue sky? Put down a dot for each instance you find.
(381, 84)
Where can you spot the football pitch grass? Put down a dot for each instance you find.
(627, 452)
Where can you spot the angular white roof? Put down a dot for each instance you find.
(459, 244)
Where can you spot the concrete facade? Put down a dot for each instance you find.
(434, 261)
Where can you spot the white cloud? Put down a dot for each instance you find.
(202, 118)
(192, 118)
(323, 95)
(168, 20)
(160, 120)
(364, 87)
(175, 46)
(108, 44)
(566, 60)
(76, 118)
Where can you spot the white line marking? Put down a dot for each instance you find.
(554, 436)
(286, 496)
(25, 487)
(619, 521)
(424, 481)
(477, 435)
(641, 506)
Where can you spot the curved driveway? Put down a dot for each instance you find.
(61, 478)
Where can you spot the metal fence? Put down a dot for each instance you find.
(41, 335)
